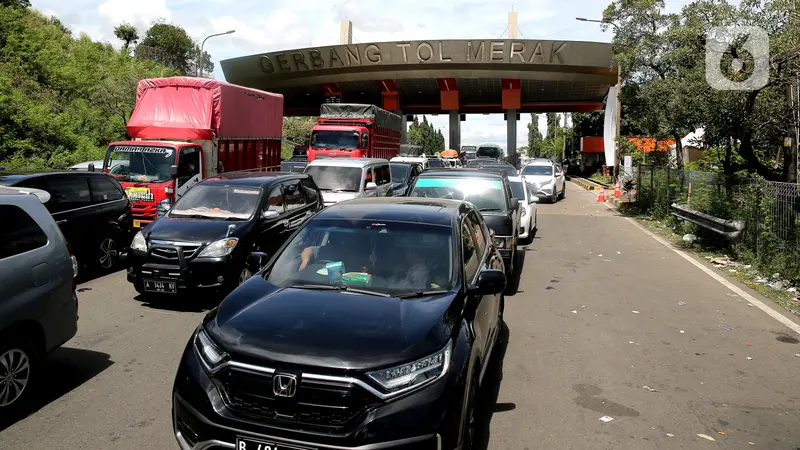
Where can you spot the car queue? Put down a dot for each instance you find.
(415, 259)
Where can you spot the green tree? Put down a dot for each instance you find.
(553, 121)
(296, 130)
(426, 136)
(535, 139)
(16, 3)
(588, 124)
(170, 45)
(126, 33)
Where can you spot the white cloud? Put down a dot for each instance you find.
(270, 25)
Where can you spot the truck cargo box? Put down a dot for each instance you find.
(187, 108)
(380, 117)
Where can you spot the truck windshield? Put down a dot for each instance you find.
(335, 139)
(336, 179)
(140, 162)
(217, 202)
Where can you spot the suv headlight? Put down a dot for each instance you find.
(220, 248)
(415, 374)
(211, 355)
(139, 243)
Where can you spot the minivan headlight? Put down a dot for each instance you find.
(139, 243)
(209, 353)
(220, 248)
(408, 376)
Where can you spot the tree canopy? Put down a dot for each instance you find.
(426, 136)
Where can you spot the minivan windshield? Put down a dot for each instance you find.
(537, 170)
(487, 195)
(375, 257)
(335, 139)
(336, 178)
(212, 201)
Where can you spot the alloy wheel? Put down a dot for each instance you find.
(108, 253)
(15, 372)
(244, 275)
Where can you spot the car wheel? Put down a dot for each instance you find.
(244, 276)
(554, 197)
(107, 253)
(564, 191)
(17, 372)
(470, 422)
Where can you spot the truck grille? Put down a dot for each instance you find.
(170, 253)
(321, 406)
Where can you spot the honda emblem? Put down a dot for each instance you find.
(284, 385)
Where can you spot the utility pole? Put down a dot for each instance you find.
(793, 94)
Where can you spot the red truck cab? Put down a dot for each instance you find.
(355, 131)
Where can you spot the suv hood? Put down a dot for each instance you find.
(335, 197)
(193, 230)
(262, 323)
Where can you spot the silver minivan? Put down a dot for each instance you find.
(342, 179)
(38, 300)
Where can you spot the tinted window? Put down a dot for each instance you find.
(435, 163)
(275, 200)
(310, 190)
(188, 164)
(400, 173)
(293, 195)
(537, 170)
(20, 232)
(468, 252)
(517, 190)
(478, 233)
(67, 192)
(382, 175)
(104, 190)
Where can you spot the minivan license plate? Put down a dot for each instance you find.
(160, 286)
(249, 444)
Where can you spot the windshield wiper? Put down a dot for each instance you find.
(326, 287)
(189, 216)
(420, 294)
(490, 209)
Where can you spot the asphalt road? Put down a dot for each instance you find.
(576, 351)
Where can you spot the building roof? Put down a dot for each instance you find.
(550, 76)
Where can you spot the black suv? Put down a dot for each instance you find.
(489, 190)
(371, 328)
(91, 209)
(204, 240)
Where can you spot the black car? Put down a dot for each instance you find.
(489, 190)
(403, 176)
(91, 209)
(204, 240)
(372, 328)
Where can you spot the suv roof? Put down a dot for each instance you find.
(347, 162)
(43, 196)
(253, 179)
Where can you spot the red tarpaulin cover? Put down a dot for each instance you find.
(186, 108)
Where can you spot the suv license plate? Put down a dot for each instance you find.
(160, 286)
(250, 444)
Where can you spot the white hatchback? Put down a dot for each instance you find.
(527, 207)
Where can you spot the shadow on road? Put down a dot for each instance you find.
(179, 303)
(61, 372)
(490, 389)
(87, 274)
(512, 287)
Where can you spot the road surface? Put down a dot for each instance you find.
(594, 329)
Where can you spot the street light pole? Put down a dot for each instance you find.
(200, 57)
(619, 89)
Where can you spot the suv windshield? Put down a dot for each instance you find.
(537, 170)
(486, 195)
(400, 172)
(217, 202)
(140, 162)
(383, 258)
(337, 179)
(335, 139)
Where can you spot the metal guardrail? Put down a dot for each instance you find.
(731, 229)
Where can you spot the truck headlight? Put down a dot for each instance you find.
(220, 248)
(139, 243)
(415, 374)
(209, 352)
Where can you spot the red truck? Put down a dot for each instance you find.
(356, 131)
(188, 129)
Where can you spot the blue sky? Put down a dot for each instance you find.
(265, 26)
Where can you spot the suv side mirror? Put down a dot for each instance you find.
(514, 203)
(91, 167)
(489, 282)
(269, 214)
(534, 199)
(173, 171)
(371, 186)
(256, 261)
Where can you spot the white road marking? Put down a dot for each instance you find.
(708, 271)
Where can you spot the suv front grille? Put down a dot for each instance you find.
(320, 406)
(170, 253)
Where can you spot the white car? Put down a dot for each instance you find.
(528, 223)
(546, 179)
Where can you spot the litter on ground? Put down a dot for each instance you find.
(706, 437)
(726, 327)
(670, 435)
(681, 303)
(635, 312)
(606, 419)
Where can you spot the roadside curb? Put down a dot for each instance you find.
(586, 184)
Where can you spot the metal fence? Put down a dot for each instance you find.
(770, 210)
